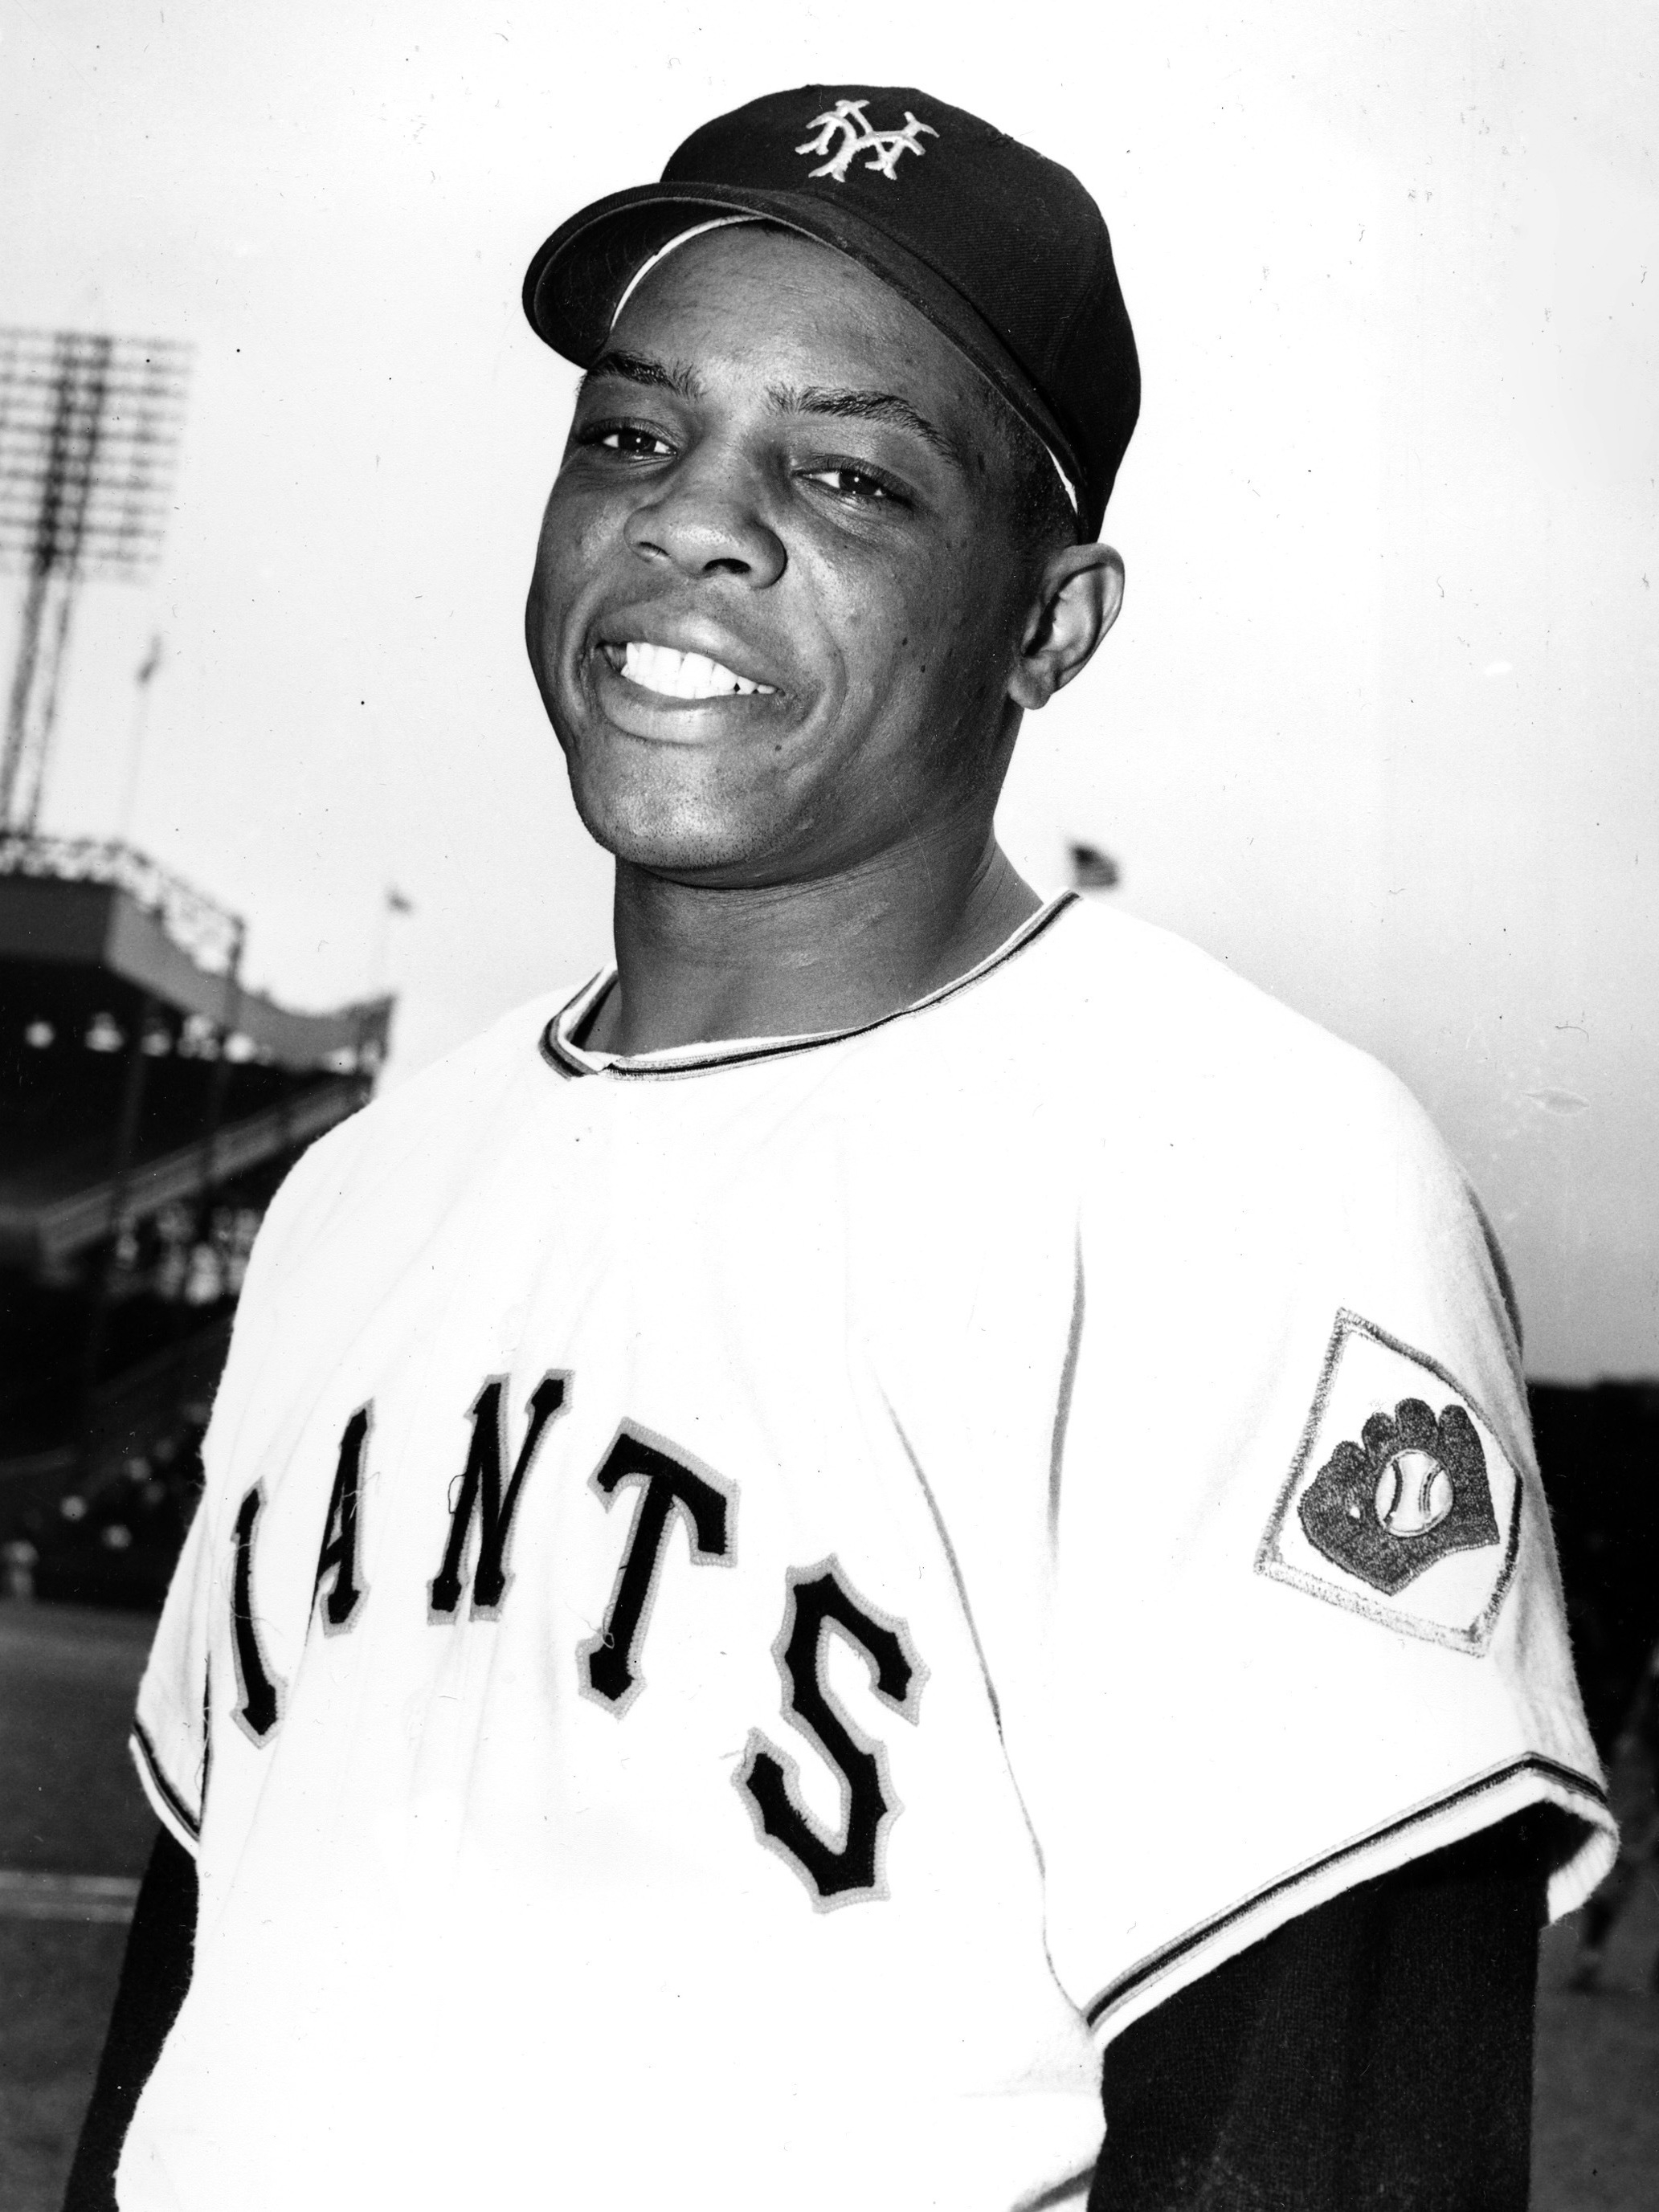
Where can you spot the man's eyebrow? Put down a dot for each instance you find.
(866, 407)
(639, 368)
(845, 404)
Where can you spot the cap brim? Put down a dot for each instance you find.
(575, 280)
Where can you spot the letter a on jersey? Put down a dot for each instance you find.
(1401, 1503)
(339, 1556)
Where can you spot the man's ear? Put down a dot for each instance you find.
(1078, 599)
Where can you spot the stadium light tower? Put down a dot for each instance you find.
(88, 440)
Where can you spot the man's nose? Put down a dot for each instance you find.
(708, 520)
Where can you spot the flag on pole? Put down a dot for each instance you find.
(151, 661)
(1093, 870)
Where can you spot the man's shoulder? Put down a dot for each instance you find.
(1231, 1106)
(405, 1136)
(467, 1080)
(1141, 1011)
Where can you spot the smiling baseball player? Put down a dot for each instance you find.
(912, 1506)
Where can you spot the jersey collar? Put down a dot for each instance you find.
(562, 1053)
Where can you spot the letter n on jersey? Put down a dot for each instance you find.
(481, 1492)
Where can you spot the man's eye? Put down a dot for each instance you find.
(860, 485)
(629, 440)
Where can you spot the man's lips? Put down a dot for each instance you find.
(664, 672)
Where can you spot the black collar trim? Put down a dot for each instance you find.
(570, 1060)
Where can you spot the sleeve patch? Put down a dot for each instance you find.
(1401, 1504)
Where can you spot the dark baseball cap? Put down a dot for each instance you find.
(1004, 251)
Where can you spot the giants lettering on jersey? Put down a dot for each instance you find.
(836, 1868)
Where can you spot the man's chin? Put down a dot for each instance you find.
(669, 835)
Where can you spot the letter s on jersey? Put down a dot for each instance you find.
(836, 1870)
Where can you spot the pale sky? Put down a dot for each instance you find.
(1378, 727)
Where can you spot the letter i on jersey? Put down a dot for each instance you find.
(259, 1692)
(481, 1492)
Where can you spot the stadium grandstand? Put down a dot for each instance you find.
(149, 1105)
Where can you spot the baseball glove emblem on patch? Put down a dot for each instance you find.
(1401, 1503)
(847, 121)
(1412, 1489)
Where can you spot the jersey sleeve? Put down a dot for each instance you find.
(1305, 1618)
(168, 1740)
(1376, 2051)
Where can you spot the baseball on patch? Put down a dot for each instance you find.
(1414, 1494)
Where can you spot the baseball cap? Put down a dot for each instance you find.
(1003, 251)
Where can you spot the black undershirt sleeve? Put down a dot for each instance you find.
(154, 1976)
(1376, 2052)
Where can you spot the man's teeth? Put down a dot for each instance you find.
(682, 675)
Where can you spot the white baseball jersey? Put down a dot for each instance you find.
(755, 1604)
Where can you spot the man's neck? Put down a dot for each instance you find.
(695, 965)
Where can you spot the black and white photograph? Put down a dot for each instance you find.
(828, 1216)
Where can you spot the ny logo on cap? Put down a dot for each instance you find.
(847, 118)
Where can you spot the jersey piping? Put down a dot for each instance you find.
(570, 1060)
(161, 1792)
